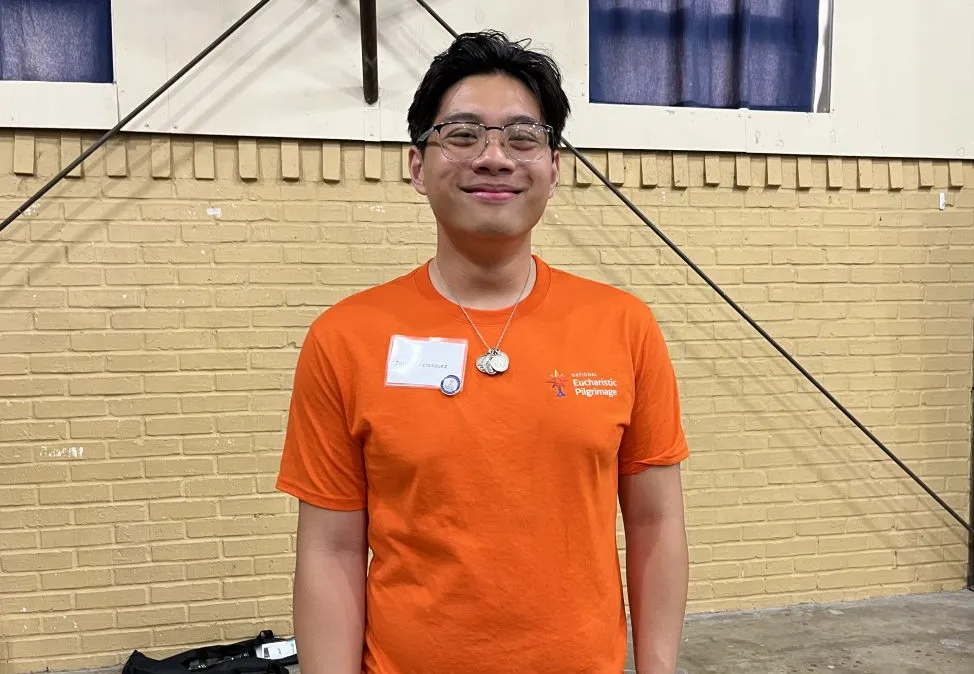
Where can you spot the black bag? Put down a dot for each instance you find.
(236, 658)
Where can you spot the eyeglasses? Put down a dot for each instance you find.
(466, 141)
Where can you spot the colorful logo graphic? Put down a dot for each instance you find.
(558, 382)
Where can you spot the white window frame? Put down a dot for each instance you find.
(58, 105)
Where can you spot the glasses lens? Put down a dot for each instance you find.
(462, 141)
(526, 142)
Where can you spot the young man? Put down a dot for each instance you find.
(475, 421)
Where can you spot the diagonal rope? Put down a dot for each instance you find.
(743, 314)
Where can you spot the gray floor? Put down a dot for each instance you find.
(925, 634)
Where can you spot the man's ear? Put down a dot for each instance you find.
(416, 170)
(555, 172)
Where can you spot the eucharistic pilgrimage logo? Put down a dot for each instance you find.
(582, 384)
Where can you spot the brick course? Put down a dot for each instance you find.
(152, 305)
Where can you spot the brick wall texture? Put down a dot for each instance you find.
(153, 303)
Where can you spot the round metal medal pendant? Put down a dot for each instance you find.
(484, 365)
(499, 361)
(450, 385)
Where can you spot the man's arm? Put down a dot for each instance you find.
(329, 590)
(657, 564)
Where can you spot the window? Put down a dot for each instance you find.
(755, 54)
(56, 40)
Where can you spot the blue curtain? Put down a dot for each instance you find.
(756, 54)
(56, 40)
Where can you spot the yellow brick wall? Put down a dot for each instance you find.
(152, 305)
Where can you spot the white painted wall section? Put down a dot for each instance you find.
(902, 78)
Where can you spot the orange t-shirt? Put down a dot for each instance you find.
(492, 512)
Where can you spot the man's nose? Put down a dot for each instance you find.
(494, 155)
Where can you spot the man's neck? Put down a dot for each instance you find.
(484, 281)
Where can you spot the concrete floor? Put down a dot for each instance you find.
(924, 634)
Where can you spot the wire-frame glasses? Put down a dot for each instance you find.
(466, 141)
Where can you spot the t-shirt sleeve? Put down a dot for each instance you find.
(322, 463)
(654, 436)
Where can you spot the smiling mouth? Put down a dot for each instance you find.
(492, 194)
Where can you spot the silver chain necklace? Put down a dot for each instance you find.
(494, 361)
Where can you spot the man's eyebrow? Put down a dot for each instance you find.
(523, 119)
(462, 117)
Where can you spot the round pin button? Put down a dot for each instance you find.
(450, 384)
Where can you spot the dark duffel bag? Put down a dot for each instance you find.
(242, 657)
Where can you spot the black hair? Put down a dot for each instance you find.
(487, 52)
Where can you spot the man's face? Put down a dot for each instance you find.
(493, 195)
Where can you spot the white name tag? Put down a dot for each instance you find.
(426, 362)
